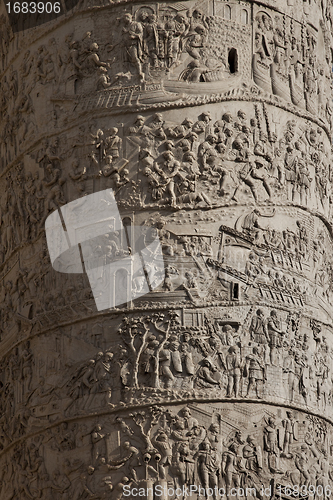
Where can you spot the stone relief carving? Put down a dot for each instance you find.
(283, 64)
(175, 447)
(211, 124)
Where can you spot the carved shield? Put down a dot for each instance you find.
(177, 362)
(189, 365)
(259, 456)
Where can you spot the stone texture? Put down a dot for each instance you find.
(211, 122)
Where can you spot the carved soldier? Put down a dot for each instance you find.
(271, 446)
(151, 41)
(176, 30)
(231, 467)
(92, 61)
(303, 181)
(208, 465)
(252, 270)
(196, 42)
(258, 328)
(256, 371)
(203, 125)
(234, 365)
(169, 171)
(103, 80)
(290, 162)
(207, 149)
(113, 143)
(290, 425)
(130, 459)
(194, 196)
(275, 335)
(132, 40)
(253, 455)
(252, 170)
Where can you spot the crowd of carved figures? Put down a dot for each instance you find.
(206, 163)
(270, 351)
(286, 64)
(146, 46)
(155, 43)
(151, 45)
(270, 355)
(245, 157)
(178, 448)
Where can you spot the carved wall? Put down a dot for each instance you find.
(211, 121)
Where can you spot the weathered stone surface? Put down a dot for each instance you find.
(211, 122)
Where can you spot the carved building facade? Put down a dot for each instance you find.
(211, 121)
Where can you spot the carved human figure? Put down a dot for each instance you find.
(130, 459)
(209, 466)
(176, 29)
(187, 359)
(290, 163)
(233, 365)
(303, 181)
(253, 455)
(193, 196)
(302, 464)
(231, 467)
(151, 40)
(271, 446)
(162, 443)
(203, 125)
(170, 170)
(207, 149)
(256, 370)
(207, 375)
(132, 41)
(290, 368)
(184, 465)
(258, 328)
(113, 143)
(290, 425)
(165, 367)
(190, 421)
(255, 169)
(275, 335)
(252, 270)
(103, 80)
(92, 60)
(98, 444)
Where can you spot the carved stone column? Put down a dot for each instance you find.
(211, 123)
